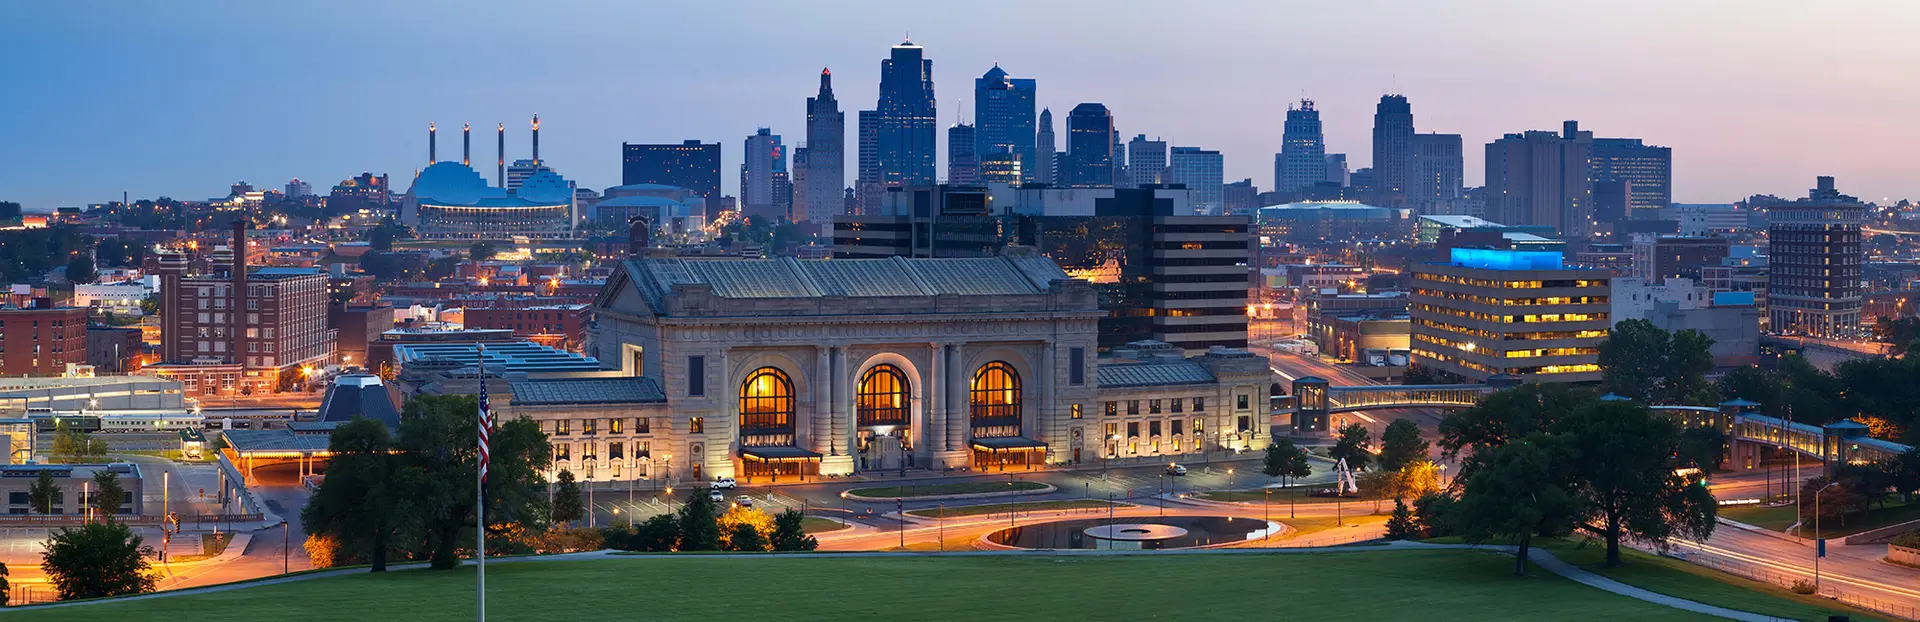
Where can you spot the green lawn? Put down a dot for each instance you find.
(1780, 518)
(1357, 585)
(929, 490)
(1300, 495)
(1678, 578)
(1024, 506)
(815, 524)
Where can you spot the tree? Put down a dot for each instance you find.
(566, 500)
(1284, 459)
(1619, 461)
(97, 560)
(1505, 415)
(80, 270)
(1352, 446)
(1905, 471)
(1643, 362)
(1703, 448)
(108, 494)
(1400, 525)
(1430, 514)
(481, 251)
(744, 537)
(754, 520)
(658, 534)
(1829, 505)
(790, 533)
(1901, 332)
(72, 446)
(43, 493)
(6, 591)
(441, 446)
(1377, 486)
(1517, 493)
(1684, 377)
(1416, 479)
(380, 238)
(9, 211)
(698, 529)
(364, 503)
(1400, 445)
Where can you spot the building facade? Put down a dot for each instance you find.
(1647, 169)
(1393, 151)
(1542, 178)
(906, 131)
(764, 157)
(1089, 160)
(1045, 163)
(1814, 264)
(691, 164)
(1146, 161)
(242, 330)
(963, 155)
(1438, 172)
(820, 195)
(1202, 172)
(1302, 161)
(1003, 115)
(1492, 313)
(42, 341)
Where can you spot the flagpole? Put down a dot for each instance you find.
(480, 484)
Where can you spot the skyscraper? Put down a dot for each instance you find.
(825, 165)
(1813, 278)
(692, 165)
(1392, 151)
(1120, 177)
(1301, 162)
(1003, 118)
(764, 156)
(963, 158)
(1146, 161)
(907, 132)
(1337, 169)
(1201, 171)
(1542, 178)
(1045, 162)
(867, 185)
(1438, 167)
(1239, 197)
(1089, 159)
(1647, 168)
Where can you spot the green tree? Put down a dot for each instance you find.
(1430, 514)
(1400, 525)
(97, 560)
(1400, 445)
(1641, 361)
(481, 251)
(699, 526)
(746, 537)
(1684, 377)
(658, 534)
(1516, 493)
(380, 238)
(6, 591)
(43, 493)
(72, 446)
(364, 502)
(1901, 332)
(1352, 447)
(1505, 415)
(441, 446)
(567, 506)
(1621, 466)
(80, 270)
(9, 211)
(1285, 459)
(108, 494)
(1905, 473)
(790, 533)
(1703, 448)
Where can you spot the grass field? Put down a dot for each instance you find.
(815, 524)
(1780, 518)
(966, 488)
(1677, 578)
(1358, 585)
(1024, 506)
(1299, 494)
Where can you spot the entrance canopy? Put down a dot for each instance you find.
(1008, 443)
(779, 454)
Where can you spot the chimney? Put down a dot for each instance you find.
(502, 179)
(173, 268)
(536, 139)
(432, 144)
(466, 144)
(238, 305)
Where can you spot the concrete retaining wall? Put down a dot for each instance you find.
(1883, 534)
(1903, 555)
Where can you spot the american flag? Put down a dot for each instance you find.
(486, 422)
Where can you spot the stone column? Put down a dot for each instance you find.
(820, 416)
(1044, 426)
(836, 455)
(958, 400)
(931, 432)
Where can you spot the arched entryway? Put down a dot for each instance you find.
(767, 414)
(882, 404)
(995, 405)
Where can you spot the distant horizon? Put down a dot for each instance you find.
(1749, 103)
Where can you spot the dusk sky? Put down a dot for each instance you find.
(183, 98)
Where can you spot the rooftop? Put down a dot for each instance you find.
(519, 356)
(1460, 221)
(628, 390)
(787, 277)
(1153, 374)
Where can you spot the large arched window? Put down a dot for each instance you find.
(766, 403)
(883, 396)
(996, 400)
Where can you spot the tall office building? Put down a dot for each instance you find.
(1814, 264)
(1003, 118)
(1490, 312)
(1120, 177)
(1046, 163)
(1146, 161)
(1337, 169)
(692, 165)
(907, 132)
(797, 203)
(1542, 178)
(1302, 161)
(818, 198)
(1393, 151)
(1438, 168)
(1239, 197)
(764, 156)
(1648, 169)
(1088, 162)
(1201, 171)
(867, 185)
(963, 156)
(297, 189)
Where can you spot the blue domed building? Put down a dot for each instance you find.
(449, 200)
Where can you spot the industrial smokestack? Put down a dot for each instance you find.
(466, 144)
(432, 143)
(502, 179)
(239, 276)
(536, 139)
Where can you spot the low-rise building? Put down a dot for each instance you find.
(1505, 312)
(1732, 319)
(42, 340)
(74, 484)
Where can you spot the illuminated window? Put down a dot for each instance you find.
(766, 402)
(616, 426)
(1075, 408)
(995, 399)
(883, 396)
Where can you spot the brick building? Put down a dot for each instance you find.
(240, 330)
(41, 340)
(558, 326)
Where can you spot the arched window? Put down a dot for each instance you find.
(766, 403)
(882, 397)
(996, 399)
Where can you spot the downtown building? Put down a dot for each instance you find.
(1394, 152)
(693, 165)
(1202, 171)
(238, 330)
(1495, 312)
(1302, 161)
(39, 339)
(1641, 173)
(1089, 160)
(1003, 119)
(1542, 178)
(1814, 264)
(820, 176)
(765, 191)
(1047, 160)
(904, 124)
(1146, 162)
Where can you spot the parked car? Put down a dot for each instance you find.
(723, 483)
(744, 501)
(717, 496)
(1175, 468)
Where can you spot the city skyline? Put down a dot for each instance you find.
(111, 111)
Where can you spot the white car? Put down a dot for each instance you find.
(744, 501)
(723, 483)
(717, 496)
(1176, 469)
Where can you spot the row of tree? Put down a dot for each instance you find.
(699, 526)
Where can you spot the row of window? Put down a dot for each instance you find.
(1499, 301)
(615, 450)
(614, 425)
(1497, 284)
(1154, 405)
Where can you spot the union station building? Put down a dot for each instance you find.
(783, 368)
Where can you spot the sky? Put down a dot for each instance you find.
(184, 98)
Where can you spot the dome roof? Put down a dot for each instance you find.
(545, 187)
(452, 183)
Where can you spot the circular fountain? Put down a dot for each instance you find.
(1169, 532)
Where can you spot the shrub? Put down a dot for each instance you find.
(1909, 539)
(1803, 587)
